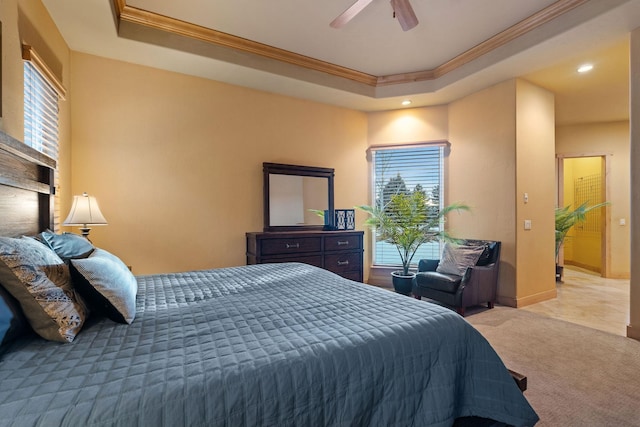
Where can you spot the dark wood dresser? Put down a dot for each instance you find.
(337, 251)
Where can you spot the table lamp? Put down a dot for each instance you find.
(85, 212)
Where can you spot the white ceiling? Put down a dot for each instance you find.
(373, 43)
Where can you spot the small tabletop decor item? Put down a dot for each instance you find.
(344, 219)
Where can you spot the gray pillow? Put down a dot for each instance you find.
(40, 281)
(456, 259)
(107, 285)
(66, 245)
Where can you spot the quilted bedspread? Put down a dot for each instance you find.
(263, 345)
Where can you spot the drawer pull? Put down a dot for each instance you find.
(293, 245)
(343, 262)
(343, 242)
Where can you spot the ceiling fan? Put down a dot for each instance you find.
(401, 9)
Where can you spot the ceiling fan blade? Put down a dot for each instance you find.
(350, 13)
(405, 14)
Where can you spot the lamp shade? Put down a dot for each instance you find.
(85, 211)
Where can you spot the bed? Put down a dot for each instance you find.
(262, 345)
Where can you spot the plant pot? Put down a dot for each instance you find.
(559, 271)
(401, 283)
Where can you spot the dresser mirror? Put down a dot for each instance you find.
(291, 195)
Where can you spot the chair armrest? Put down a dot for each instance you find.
(479, 272)
(428, 264)
(478, 276)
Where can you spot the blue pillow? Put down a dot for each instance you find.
(107, 285)
(66, 245)
(12, 322)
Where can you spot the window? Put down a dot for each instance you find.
(40, 112)
(404, 169)
(42, 93)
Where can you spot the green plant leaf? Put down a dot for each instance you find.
(408, 221)
(567, 218)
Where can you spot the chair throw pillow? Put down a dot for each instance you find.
(35, 276)
(457, 258)
(107, 284)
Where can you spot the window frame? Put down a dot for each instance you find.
(372, 151)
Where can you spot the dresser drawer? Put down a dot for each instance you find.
(292, 245)
(340, 263)
(340, 243)
(336, 251)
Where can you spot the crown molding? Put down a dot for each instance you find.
(510, 34)
(126, 13)
(147, 19)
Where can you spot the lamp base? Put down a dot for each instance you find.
(85, 232)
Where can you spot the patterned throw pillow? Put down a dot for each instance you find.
(455, 259)
(41, 283)
(107, 285)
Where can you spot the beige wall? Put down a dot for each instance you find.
(610, 140)
(409, 125)
(535, 177)
(176, 161)
(502, 146)
(28, 22)
(482, 173)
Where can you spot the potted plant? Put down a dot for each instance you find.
(565, 220)
(407, 221)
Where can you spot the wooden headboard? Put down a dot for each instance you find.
(26, 189)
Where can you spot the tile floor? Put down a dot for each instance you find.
(587, 299)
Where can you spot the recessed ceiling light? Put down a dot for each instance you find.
(406, 102)
(585, 68)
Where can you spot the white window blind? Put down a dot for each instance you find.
(42, 94)
(40, 112)
(406, 169)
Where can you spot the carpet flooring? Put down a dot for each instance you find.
(577, 376)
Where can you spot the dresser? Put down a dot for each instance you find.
(337, 251)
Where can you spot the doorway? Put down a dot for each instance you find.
(583, 179)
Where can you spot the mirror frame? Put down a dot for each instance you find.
(284, 169)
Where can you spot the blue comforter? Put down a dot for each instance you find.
(264, 345)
